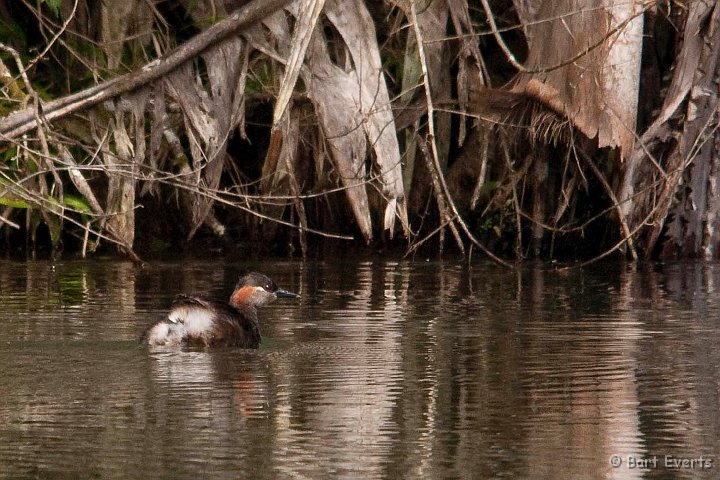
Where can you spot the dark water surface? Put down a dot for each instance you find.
(380, 370)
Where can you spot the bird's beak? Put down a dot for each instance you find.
(280, 293)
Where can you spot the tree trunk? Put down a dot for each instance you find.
(671, 180)
(593, 65)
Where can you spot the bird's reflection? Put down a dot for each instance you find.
(206, 383)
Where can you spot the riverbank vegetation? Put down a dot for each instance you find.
(570, 129)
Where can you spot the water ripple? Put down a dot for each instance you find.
(380, 370)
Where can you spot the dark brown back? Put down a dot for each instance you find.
(230, 327)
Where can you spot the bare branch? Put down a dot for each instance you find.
(21, 121)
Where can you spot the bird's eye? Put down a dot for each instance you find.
(268, 287)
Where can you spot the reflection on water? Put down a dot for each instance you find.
(380, 370)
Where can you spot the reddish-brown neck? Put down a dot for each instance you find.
(241, 297)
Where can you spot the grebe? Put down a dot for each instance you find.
(201, 322)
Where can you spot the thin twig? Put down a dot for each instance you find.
(9, 223)
(443, 184)
(511, 58)
(503, 46)
(432, 154)
(49, 45)
(613, 198)
(615, 247)
(516, 203)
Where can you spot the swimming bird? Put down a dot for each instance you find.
(196, 321)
